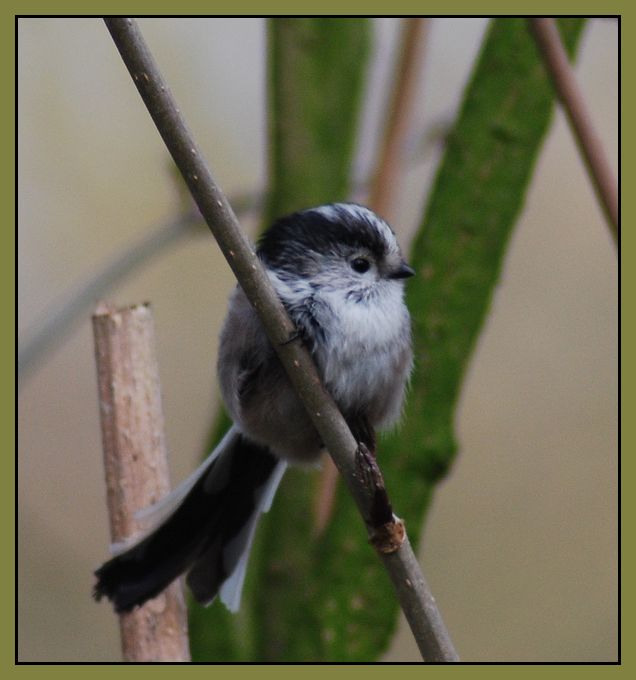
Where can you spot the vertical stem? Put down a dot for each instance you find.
(136, 466)
(546, 35)
(382, 196)
(398, 117)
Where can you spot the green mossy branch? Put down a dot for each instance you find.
(458, 253)
(317, 69)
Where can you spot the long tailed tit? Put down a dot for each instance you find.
(339, 272)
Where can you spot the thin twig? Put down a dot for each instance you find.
(546, 34)
(418, 605)
(383, 192)
(136, 466)
(50, 330)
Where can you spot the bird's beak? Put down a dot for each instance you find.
(403, 271)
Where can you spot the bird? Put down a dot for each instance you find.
(339, 272)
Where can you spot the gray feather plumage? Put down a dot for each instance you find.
(339, 272)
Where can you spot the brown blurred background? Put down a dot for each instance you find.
(520, 545)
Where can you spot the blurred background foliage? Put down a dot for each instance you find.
(327, 598)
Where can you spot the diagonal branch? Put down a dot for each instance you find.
(415, 598)
(546, 35)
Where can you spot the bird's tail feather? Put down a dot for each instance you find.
(204, 527)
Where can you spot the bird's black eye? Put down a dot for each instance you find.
(360, 265)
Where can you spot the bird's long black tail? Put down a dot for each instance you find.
(208, 534)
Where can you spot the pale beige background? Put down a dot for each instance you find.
(520, 545)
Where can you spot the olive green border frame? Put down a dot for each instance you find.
(8, 288)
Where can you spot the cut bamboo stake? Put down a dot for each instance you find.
(546, 35)
(136, 466)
